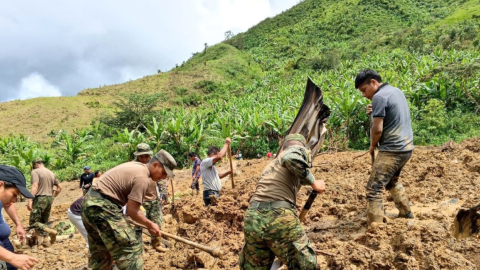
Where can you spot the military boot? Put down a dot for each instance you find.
(401, 201)
(375, 212)
(157, 245)
(52, 233)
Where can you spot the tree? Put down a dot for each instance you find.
(133, 111)
(229, 34)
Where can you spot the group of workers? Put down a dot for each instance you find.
(272, 228)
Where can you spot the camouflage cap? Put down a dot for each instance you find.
(143, 149)
(36, 160)
(167, 161)
(296, 137)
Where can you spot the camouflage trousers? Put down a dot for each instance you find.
(275, 232)
(42, 205)
(153, 211)
(385, 173)
(110, 238)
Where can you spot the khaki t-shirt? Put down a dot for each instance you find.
(282, 178)
(151, 194)
(126, 181)
(46, 179)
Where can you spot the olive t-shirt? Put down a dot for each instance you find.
(151, 194)
(282, 178)
(46, 179)
(126, 181)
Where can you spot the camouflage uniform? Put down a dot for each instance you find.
(110, 238)
(275, 232)
(272, 227)
(40, 212)
(153, 211)
(162, 187)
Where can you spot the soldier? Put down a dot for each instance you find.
(391, 132)
(151, 204)
(110, 237)
(43, 180)
(272, 227)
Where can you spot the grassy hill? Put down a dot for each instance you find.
(210, 73)
(251, 85)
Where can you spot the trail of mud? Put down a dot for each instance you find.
(438, 181)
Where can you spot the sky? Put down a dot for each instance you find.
(58, 48)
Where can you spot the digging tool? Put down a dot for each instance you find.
(231, 165)
(308, 205)
(173, 194)
(214, 251)
(373, 158)
(467, 222)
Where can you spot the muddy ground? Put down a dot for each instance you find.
(438, 181)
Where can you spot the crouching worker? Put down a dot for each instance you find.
(272, 227)
(110, 238)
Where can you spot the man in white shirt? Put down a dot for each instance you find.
(210, 176)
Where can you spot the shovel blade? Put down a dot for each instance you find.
(466, 222)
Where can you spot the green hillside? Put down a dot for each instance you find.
(250, 86)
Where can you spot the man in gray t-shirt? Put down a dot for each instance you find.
(391, 132)
(210, 177)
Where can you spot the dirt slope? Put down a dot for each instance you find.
(438, 184)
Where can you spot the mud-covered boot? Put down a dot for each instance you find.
(157, 245)
(52, 233)
(375, 212)
(401, 201)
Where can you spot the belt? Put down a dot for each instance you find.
(97, 194)
(43, 196)
(271, 205)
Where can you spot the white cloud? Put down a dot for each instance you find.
(35, 85)
(88, 43)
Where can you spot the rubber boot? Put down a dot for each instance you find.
(375, 212)
(401, 201)
(52, 233)
(157, 245)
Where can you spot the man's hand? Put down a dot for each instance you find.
(23, 261)
(21, 234)
(369, 109)
(154, 230)
(29, 205)
(228, 141)
(318, 186)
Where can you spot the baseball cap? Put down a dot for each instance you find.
(86, 168)
(14, 176)
(167, 161)
(296, 137)
(143, 149)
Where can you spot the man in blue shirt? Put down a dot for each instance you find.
(391, 133)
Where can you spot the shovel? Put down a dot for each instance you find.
(467, 222)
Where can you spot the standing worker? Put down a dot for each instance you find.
(272, 227)
(391, 132)
(86, 179)
(151, 204)
(110, 237)
(43, 181)
(210, 177)
(196, 172)
(12, 184)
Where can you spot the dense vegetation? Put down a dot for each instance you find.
(429, 49)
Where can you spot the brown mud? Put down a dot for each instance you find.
(438, 181)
